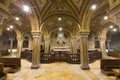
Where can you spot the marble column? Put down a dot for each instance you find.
(91, 43)
(74, 45)
(30, 44)
(11, 46)
(84, 51)
(19, 46)
(103, 47)
(47, 44)
(108, 44)
(36, 50)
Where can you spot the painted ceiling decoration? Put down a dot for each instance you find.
(76, 16)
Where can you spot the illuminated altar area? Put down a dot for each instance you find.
(60, 44)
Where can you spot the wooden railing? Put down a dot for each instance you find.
(62, 57)
(70, 58)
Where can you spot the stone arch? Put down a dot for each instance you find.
(64, 29)
(61, 13)
(34, 23)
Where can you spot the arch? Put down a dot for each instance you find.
(17, 31)
(34, 23)
(103, 33)
(57, 29)
(58, 14)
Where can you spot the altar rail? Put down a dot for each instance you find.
(62, 57)
(70, 58)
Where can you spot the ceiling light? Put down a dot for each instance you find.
(111, 26)
(94, 6)
(105, 17)
(60, 29)
(11, 26)
(114, 29)
(26, 8)
(59, 18)
(17, 18)
(8, 29)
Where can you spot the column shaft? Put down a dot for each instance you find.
(84, 51)
(103, 47)
(91, 43)
(74, 46)
(19, 46)
(30, 46)
(47, 44)
(36, 51)
(11, 46)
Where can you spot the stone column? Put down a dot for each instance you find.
(19, 46)
(11, 46)
(108, 44)
(36, 50)
(30, 45)
(84, 51)
(47, 44)
(91, 43)
(74, 45)
(103, 46)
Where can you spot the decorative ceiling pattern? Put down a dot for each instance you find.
(75, 15)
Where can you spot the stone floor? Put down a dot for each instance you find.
(59, 71)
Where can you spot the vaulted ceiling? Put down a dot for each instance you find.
(75, 15)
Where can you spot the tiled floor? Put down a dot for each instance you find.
(59, 71)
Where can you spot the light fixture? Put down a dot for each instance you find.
(94, 6)
(17, 18)
(59, 18)
(114, 29)
(111, 26)
(11, 26)
(105, 17)
(8, 29)
(26, 8)
(60, 29)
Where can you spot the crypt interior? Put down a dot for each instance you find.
(59, 39)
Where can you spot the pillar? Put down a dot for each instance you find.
(36, 50)
(74, 45)
(11, 46)
(103, 46)
(91, 43)
(84, 51)
(30, 44)
(19, 46)
(108, 44)
(47, 44)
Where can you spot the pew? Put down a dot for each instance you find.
(117, 73)
(3, 75)
(107, 66)
(11, 62)
(4, 53)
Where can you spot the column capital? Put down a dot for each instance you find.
(102, 39)
(20, 38)
(84, 34)
(36, 34)
(0, 33)
(74, 37)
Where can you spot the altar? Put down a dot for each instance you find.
(62, 49)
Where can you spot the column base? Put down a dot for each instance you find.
(85, 67)
(35, 66)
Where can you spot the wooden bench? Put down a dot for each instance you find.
(11, 62)
(3, 75)
(107, 65)
(117, 73)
